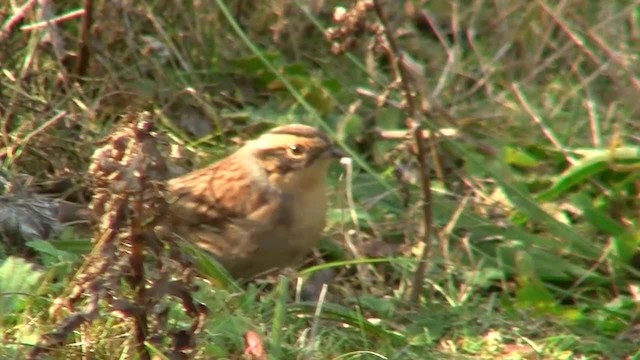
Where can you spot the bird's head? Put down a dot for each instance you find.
(295, 157)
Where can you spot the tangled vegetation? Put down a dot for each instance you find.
(490, 210)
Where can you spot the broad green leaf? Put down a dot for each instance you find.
(531, 292)
(547, 266)
(589, 166)
(75, 247)
(625, 246)
(210, 268)
(517, 157)
(381, 306)
(47, 248)
(523, 202)
(624, 241)
(253, 64)
(596, 217)
(18, 279)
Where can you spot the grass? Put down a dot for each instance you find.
(534, 192)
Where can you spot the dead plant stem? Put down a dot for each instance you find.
(414, 124)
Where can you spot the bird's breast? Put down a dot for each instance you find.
(308, 220)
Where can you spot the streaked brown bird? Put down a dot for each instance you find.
(261, 208)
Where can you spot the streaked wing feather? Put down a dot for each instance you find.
(204, 209)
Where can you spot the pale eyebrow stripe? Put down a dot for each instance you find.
(301, 132)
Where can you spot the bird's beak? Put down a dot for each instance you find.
(335, 152)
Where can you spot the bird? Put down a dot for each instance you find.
(261, 208)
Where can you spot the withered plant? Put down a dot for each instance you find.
(129, 273)
(366, 22)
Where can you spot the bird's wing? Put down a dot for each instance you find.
(205, 208)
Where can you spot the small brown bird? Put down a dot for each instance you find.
(261, 208)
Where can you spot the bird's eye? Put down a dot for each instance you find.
(296, 150)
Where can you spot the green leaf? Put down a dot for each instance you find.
(380, 306)
(547, 266)
(517, 157)
(531, 292)
(210, 268)
(18, 279)
(296, 70)
(46, 248)
(584, 170)
(253, 64)
(524, 203)
(75, 247)
(279, 318)
(625, 246)
(624, 241)
(596, 217)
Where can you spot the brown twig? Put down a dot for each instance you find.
(85, 29)
(546, 130)
(415, 128)
(56, 20)
(10, 24)
(136, 261)
(620, 61)
(396, 59)
(578, 41)
(10, 150)
(53, 35)
(402, 134)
